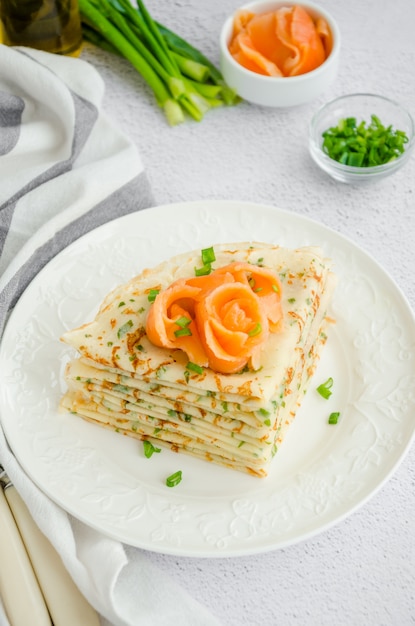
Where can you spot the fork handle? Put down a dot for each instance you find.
(65, 602)
(19, 589)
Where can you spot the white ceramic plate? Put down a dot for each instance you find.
(321, 473)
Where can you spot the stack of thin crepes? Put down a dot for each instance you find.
(123, 381)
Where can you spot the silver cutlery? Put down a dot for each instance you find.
(33, 561)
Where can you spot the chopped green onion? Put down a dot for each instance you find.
(363, 145)
(182, 321)
(333, 418)
(255, 331)
(194, 367)
(183, 332)
(153, 293)
(325, 388)
(208, 255)
(174, 479)
(203, 271)
(149, 449)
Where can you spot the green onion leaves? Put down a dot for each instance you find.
(183, 323)
(193, 367)
(174, 479)
(325, 391)
(325, 388)
(183, 81)
(149, 449)
(152, 294)
(361, 144)
(256, 330)
(208, 257)
(334, 417)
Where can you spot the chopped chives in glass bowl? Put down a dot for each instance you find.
(361, 137)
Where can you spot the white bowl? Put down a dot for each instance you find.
(275, 91)
(361, 106)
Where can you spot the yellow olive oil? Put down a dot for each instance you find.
(50, 25)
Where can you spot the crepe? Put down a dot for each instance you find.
(121, 380)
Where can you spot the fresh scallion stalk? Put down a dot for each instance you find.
(198, 72)
(182, 47)
(127, 50)
(182, 78)
(208, 91)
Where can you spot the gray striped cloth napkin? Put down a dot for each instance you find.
(64, 170)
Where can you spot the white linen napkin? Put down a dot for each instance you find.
(64, 170)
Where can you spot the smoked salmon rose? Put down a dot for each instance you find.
(232, 326)
(221, 320)
(171, 321)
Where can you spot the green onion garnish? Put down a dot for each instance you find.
(194, 367)
(361, 144)
(324, 388)
(255, 331)
(208, 255)
(149, 449)
(333, 418)
(174, 479)
(183, 332)
(182, 321)
(203, 271)
(153, 293)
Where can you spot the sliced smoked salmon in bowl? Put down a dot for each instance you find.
(279, 54)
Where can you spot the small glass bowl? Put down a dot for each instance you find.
(361, 106)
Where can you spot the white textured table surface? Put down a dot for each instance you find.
(362, 570)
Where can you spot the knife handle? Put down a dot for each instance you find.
(19, 589)
(66, 604)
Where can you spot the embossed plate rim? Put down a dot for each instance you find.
(103, 480)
